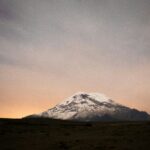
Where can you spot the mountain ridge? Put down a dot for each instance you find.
(84, 106)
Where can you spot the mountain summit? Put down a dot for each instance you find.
(92, 107)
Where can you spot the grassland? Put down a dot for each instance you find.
(46, 134)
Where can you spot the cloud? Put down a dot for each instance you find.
(79, 41)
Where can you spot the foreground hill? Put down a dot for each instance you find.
(47, 134)
(92, 107)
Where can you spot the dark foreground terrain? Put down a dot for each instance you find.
(43, 134)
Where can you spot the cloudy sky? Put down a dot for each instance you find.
(51, 49)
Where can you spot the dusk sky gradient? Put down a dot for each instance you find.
(51, 49)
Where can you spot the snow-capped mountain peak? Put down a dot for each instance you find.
(82, 96)
(84, 106)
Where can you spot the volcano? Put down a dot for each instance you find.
(86, 107)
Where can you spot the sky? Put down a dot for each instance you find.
(51, 49)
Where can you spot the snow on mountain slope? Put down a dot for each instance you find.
(92, 107)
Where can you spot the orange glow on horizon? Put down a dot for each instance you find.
(25, 92)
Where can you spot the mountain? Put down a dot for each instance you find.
(92, 107)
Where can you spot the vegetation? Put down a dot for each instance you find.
(46, 134)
